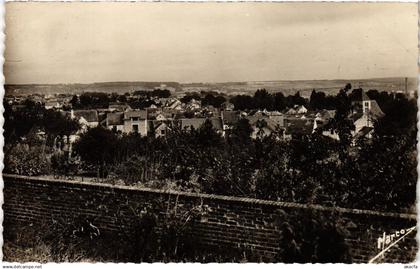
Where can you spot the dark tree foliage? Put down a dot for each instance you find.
(97, 147)
(341, 124)
(19, 123)
(207, 136)
(264, 100)
(75, 102)
(142, 93)
(400, 117)
(55, 123)
(279, 101)
(241, 132)
(242, 102)
(161, 93)
(211, 100)
(189, 96)
(319, 101)
(296, 99)
(141, 103)
(122, 98)
(91, 100)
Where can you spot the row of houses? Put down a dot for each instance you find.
(296, 121)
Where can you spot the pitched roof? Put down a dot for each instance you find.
(88, 115)
(291, 111)
(272, 123)
(326, 114)
(277, 119)
(118, 106)
(299, 126)
(160, 125)
(142, 114)
(217, 123)
(230, 117)
(197, 122)
(375, 110)
(116, 118)
(363, 132)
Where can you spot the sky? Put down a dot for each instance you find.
(53, 42)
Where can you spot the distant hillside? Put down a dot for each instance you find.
(305, 87)
(288, 87)
(108, 87)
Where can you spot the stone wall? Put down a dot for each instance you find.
(229, 222)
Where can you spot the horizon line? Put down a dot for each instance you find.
(203, 82)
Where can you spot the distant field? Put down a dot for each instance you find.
(108, 87)
(305, 87)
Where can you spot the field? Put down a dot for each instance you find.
(288, 87)
(305, 87)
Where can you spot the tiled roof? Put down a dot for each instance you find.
(197, 122)
(299, 126)
(217, 123)
(193, 122)
(116, 118)
(142, 114)
(375, 110)
(272, 123)
(88, 115)
(291, 111)
(230, 117)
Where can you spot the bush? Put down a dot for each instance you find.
(312, 238)
(23, 159)
(62, 164)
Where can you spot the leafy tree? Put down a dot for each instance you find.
(75, 102)
(279, 101)
(296, 100)
(58, 124)
(400, 117)
(317, 100)
(242, 102)
(386, 168)
(241, 132)
(97, 147)
(211, 100)
(263, 100)
(89, 100)
(188, 97)
(207, 135)
(161, 93)
(341, 123)
(122, 98)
